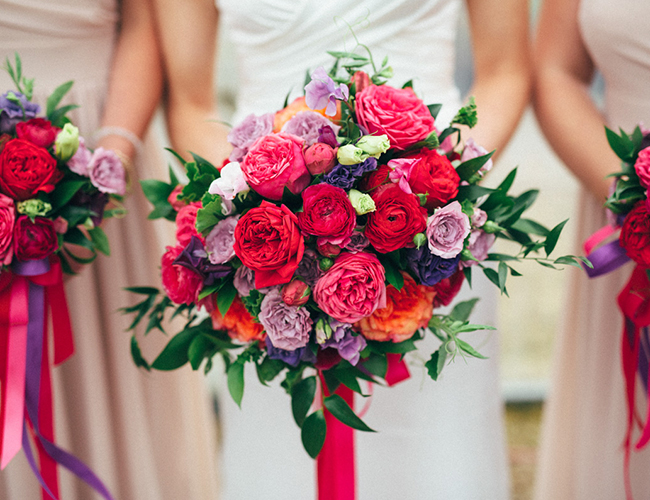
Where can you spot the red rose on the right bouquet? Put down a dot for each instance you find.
(26, 169)
(435, 175)
(34, 240)
(635, 235)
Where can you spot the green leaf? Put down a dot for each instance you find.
(174, 355)
(377, 365)
(467, 169)
(463, 310)
(56, 96)
(553, 235)
(236, 381)
(57, 117)
(392, 347)
(492, 275)
(337, 406)
(465, 347)
(209, 290)
(393, 276)
(136, 354)
(472, 192)
(622, 148)
(268, 369)
(530, 226)
(347, 55)
(64, 192)
(225, 297)
(434, 109)
(156, 191)
(142, 290)
(437, 362)
(347, 377)
(200, 346)
(467, 114)
(100, 240)
(302, 397)
(75, 237)
(468, 275)
(503, 276)
(209, 216)
(313, 433)
(569, 260)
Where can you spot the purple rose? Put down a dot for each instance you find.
(81, 159)
(292, 358)
(308, 124)
(221, 240)
(195, 258)
(244, 280)
(107, 172)
(430, 269)
(474, 150)
(287, 327)
(247, 132)
(447, 229)
(322, 92)
(480, 243)
(358, 242)
(343, 340)
(11, 113)
(308, 268)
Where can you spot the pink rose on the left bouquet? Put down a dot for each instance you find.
(273, 162)
(181, 284)
(7, 221)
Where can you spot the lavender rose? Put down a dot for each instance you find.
(430, 269)
(107, 172)
(247, 132)
(244, 280)
(81, 159)
(480, 243)
(447, 229)
(479, 217)
(220, 242)
(12, 113)
(308, 125)
(292, 358)
(287, 327)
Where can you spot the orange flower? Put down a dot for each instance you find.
(405, 312)
(238, 322)
(284, 115)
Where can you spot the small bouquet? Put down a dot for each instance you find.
(53, 196)
(323, 248)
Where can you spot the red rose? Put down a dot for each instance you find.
(435, 175)
(7, 220)
(268, 241)
(34, 240)
(26, 169)
(182, 285)
(38, 131)
(398, 113)
(328, 214)
(635, 235)
(447, 289)
(397, 218)
(374, 179)
(186, 224)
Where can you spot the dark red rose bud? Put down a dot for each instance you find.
(34, 240)
(328, 250)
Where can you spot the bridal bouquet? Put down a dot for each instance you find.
(323, 248)
(53, 196)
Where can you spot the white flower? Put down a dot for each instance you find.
(231, 182)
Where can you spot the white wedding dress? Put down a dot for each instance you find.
(441, 439)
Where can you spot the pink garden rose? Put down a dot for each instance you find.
(352, 288)
(182, 285)
(7, 220)
(398, 113)
(642, 167)
(447, 229)
(273, 162)
(107, 172)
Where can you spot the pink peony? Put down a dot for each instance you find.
(273, 162)
(398, 113)
(7, 221)
(181, 284)
(320, 158)
(352, 288)
(107, 172)
(642, 167)
(447, 229)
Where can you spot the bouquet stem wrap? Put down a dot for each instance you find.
(28, 294)
(336, 462)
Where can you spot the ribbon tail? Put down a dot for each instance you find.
(336, 462)
(32, 463)
(397, 370)
(644, 370)
(630, 352)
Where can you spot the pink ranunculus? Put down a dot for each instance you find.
(186, 224)
(219, 243)
(320, 158)
(7, 221)
(182, 285)
(352, 288)
(81, 159)
(642, 167)
(398, 113)
(447, 229)
(107, 172)
(274, 162)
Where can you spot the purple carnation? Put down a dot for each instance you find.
(344, 341)
(288, 327)
(358, 242)
(292, 358)
(321, 92)
(308, 124)
(11, 113)
(244, 280)
(430, 269)
(220, 242)
(107, 172)
(247, 132)
(308, 268)
(195, 258)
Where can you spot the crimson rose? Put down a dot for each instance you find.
(182, 285)
(328, 214)
(434, 175)
(397, 218)
(26, 169)
(635, 235)
(268, 241)
(38, 131)
(34, 240)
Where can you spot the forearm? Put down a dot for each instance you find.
(574, 128)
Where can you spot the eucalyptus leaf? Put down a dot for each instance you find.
(553, 236)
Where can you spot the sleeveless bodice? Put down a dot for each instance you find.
(278, 40)
(616, 36)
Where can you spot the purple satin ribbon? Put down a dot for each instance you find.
(30, 267)
(606, 259)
